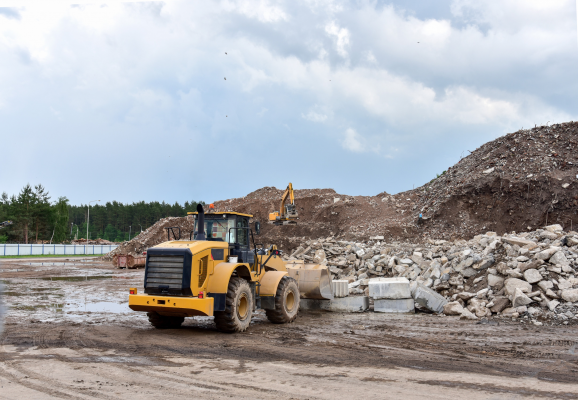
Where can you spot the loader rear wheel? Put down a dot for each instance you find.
(286, 302)
(164, 321)
(238, 307)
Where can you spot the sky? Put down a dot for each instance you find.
(194, 100)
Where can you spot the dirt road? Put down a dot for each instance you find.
(70, 335)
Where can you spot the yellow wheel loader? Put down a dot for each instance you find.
(217, 273)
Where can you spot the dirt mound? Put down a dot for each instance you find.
(154, 235)
(521, 181)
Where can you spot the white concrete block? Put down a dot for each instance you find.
(394, 306)
(349, 304)
(389, 288)
(340, 288)
(429, 299)
(342, 304)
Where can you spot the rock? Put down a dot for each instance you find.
(320, 257)
(466, 295)
(478, 307)
(552, 304)
(407, 261)
(510, 312)
(520, 299)
(518, 241)
(570, 295)
(500, 304)
(495, 281)
(548, 235)
(565, 185)
(469, 272)
(512, 284)
(429, 299)
(360, 253)
(466, 314)
(485, 263)
(559, 259)
(389, 288)
(334, 270)
(554, 228)
(489, 171)
(546, 254)
(453, 308)
(545, 285)
(531, 265)
(532, 276)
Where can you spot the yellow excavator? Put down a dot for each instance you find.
(217, 273)
(287, 213)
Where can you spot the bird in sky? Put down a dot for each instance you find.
(225, 53)
(225, 78)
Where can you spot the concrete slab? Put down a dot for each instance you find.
(342, 304)
(394, 306)
(340, 288)
(389, 288)
(350, 304)
(429, 299)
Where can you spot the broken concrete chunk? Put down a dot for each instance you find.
(512, 283)
(570, 295)
(520, 299)
(495, 281)
(429, 299)
(559, 259)
(500, 304)
(532, 276)
(453, 308)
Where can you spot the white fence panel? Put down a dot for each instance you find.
(51, 249)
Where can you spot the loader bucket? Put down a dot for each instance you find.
(314, 280)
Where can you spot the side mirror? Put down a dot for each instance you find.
(257, 228)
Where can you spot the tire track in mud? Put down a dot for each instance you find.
(46, 385)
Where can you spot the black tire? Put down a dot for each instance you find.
(286, 302)
(164, 321)
(238, 308)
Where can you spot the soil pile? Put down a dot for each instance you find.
(518, 182)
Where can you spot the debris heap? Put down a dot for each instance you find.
(531, 275)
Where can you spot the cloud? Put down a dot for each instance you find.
(314, 116)
(144, 81)
(352, 141)
(341, 37)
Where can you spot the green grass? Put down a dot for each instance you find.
(55, 256)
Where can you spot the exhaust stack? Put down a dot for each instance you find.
(201, 223)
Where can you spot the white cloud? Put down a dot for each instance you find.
(314, 116)
(341, 36)
(352, 141)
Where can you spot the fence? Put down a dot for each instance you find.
(51, 249)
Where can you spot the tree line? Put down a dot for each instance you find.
(36, 219)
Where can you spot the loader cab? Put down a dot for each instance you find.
(230, 227)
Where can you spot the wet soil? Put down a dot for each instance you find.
(76, 338)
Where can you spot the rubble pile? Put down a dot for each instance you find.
(531, 275)
(154, 235)
(517, 182)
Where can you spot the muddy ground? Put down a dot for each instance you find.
(70, 335)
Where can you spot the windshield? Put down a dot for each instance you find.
(217, 229)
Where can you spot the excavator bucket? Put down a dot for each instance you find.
(314, 280)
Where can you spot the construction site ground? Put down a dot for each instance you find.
(70, 335)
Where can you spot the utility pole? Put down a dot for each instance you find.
(88, 218)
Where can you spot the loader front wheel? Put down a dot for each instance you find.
(164, 321)
(286, 302)
(238, 308)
